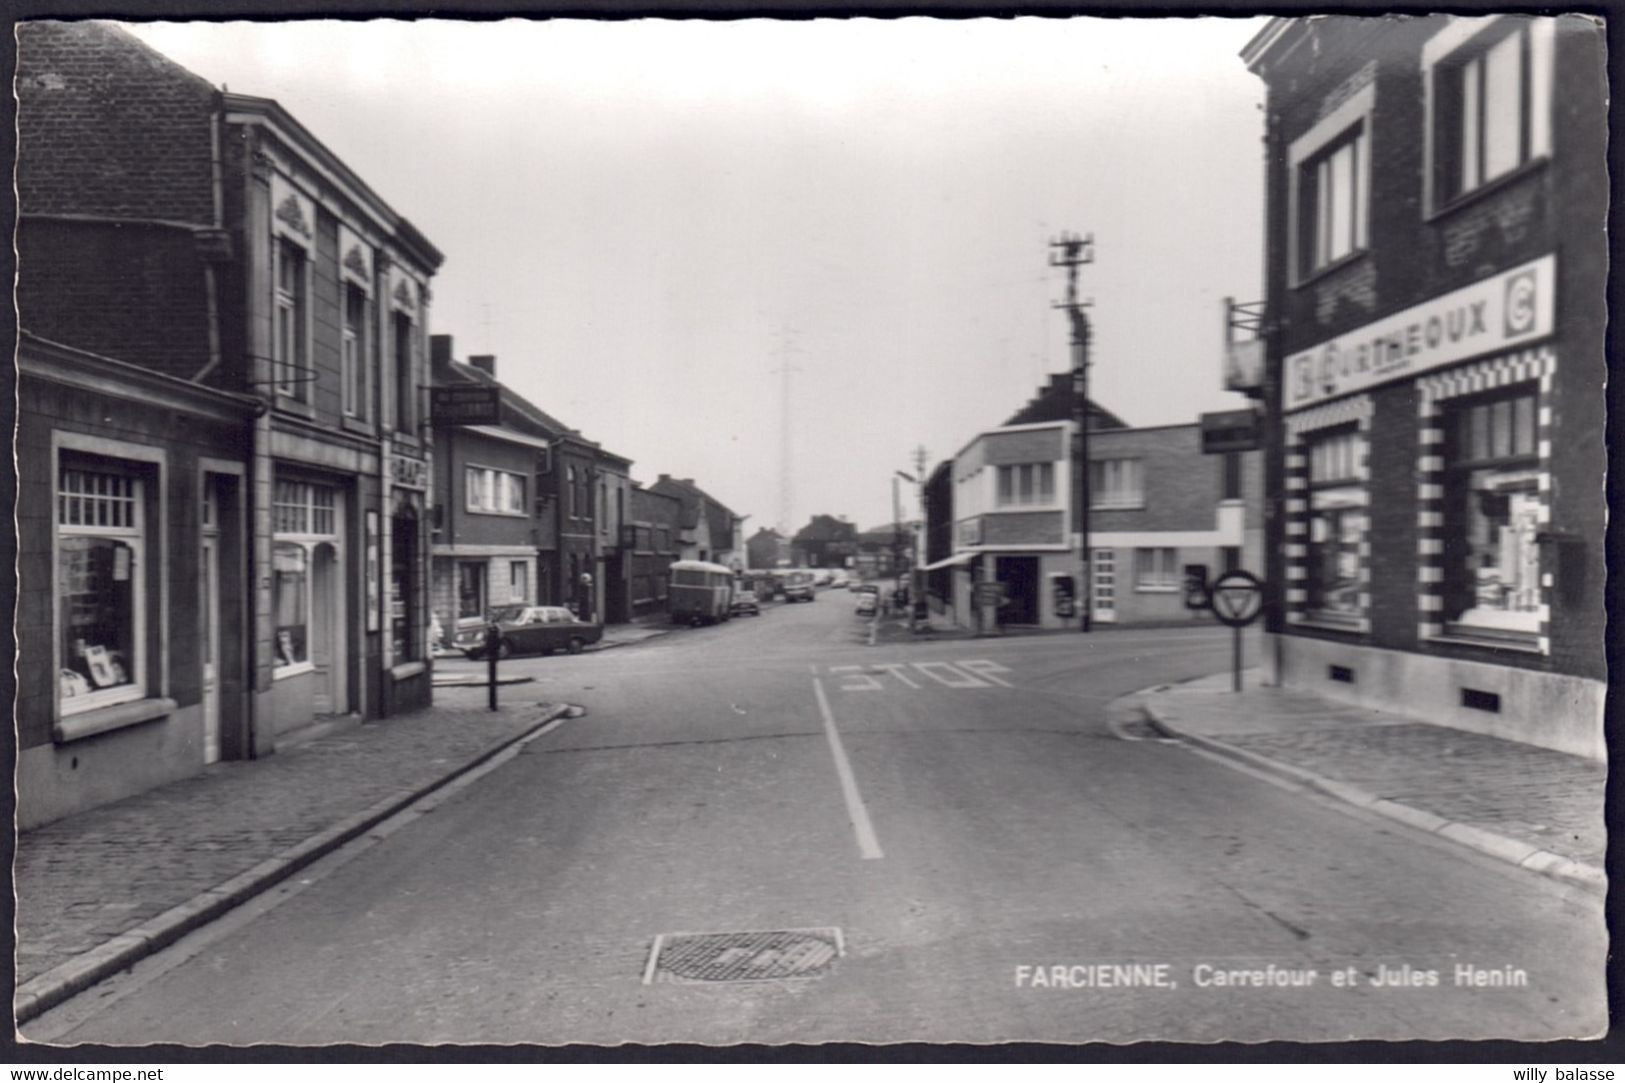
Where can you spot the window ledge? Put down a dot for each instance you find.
(104, 719)
(1138, 589)
(1458, 635)
(293, 671)
(407, 669)
(1350, 626)
(1487, 189)
(1118, 507)
(287, 404)
(496, 514)
(1332, 268)
(358, 425)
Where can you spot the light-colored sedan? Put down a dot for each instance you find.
(533, 629)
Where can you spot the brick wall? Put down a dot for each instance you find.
(1034, 446)
(108, 126)
(1416, 253)
(1182, 485)
(131, 292)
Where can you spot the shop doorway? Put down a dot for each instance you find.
(327, 631)
(209, 594)
(1104, 595)
(1020, 578)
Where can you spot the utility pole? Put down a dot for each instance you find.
(786, 475)
(1075, 251)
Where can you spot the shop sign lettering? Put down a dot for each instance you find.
(408, 473)
(1504, 310)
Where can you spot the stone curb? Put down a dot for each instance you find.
(47, 990)
(1166, 720)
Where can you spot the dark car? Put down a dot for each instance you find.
(533, 629)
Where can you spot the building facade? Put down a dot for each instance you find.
(486, 515)
(1436, 259)
(209, 238)
(134, 607)
(710, 531)
(1159, 509)
(1005, 511)
(650, 541)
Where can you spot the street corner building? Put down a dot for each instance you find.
(1007, 514)
(222, 448)
(1434, 367)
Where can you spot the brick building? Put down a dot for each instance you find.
(710, 531)
(132, 502)
(1158, 507)
(765, 548)
(209, 238)
(650, 539)
(487, 520)
(1005, 510)
(1436, 259)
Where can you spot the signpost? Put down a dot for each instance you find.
(1237, 599)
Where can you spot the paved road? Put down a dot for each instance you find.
(961, 811)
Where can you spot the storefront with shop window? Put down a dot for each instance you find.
(1435, 367)
(133, 623)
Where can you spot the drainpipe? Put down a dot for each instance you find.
(210, 287)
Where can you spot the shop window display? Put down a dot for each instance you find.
(1337, 524)
(1493, 497)
(102, 608)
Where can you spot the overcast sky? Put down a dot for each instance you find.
(645, 220)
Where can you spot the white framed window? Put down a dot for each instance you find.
(1493, 512)
(1022, 485)
(487, 491)
(1489, 90)
(292, 375)
(353, 360)
(1329, 175)
(1156, 569)
(1334, 579)
(101, 563)
(518, 581)
(1116, 483)
(1332, 202)
(304, 515)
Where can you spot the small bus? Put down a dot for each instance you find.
(701, 592)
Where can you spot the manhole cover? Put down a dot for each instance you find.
(744, 956)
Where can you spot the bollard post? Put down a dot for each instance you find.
(493, 642)
(1235, 653)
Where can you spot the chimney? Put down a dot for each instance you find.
(665, 477)
(485, 362)
(439, 349)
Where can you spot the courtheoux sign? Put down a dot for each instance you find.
(1504, 310)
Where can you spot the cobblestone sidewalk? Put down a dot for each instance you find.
(86, 879)
(1548, 800)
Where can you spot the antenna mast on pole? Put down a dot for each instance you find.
(1075, 251)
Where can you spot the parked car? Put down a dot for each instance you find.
(745, 602)
(823, 578)
(533, 629)
(798, 587)
(867, 603)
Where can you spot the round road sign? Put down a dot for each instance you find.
(1237, 598)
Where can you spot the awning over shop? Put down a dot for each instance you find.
(951, 562)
